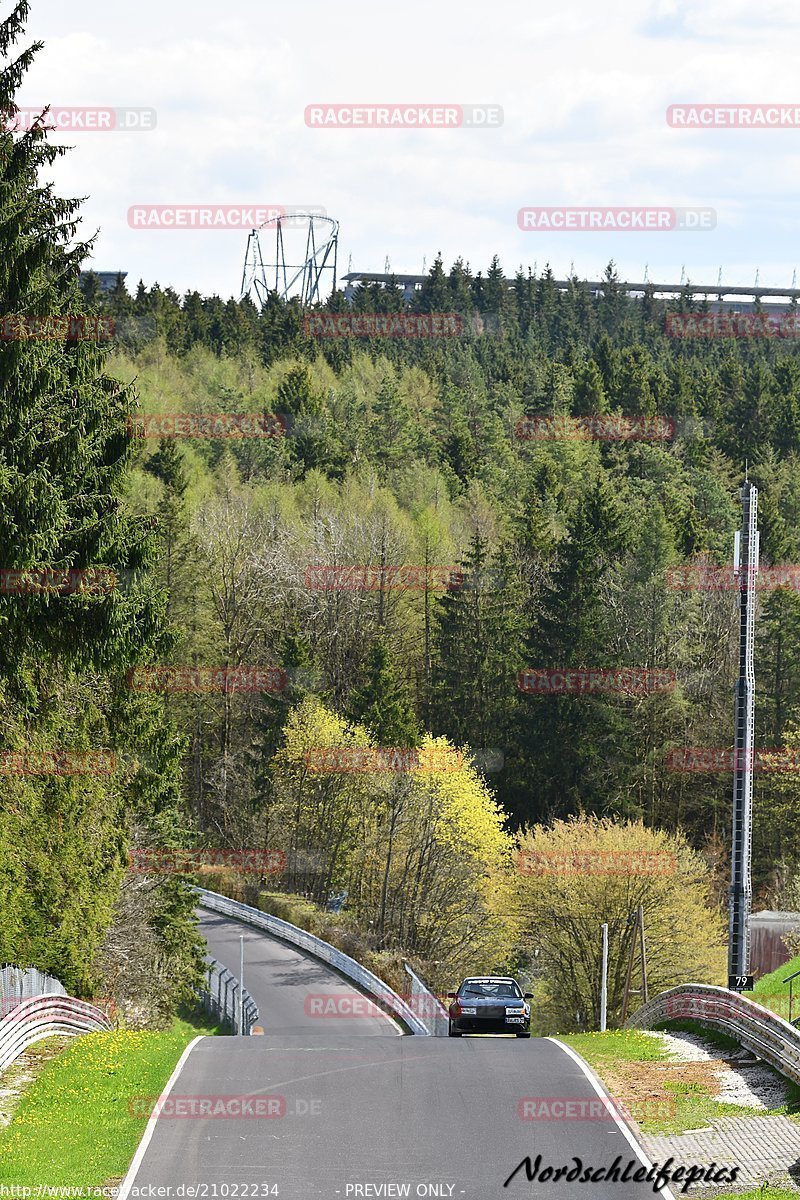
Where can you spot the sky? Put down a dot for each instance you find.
(584, 90)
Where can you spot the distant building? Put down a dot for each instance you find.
(723, 298)
(106, 279)
(409, 283)
(767, 948)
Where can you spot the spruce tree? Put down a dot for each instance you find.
(384, 703)
(479, 651)
(571, 741)
(66, 641)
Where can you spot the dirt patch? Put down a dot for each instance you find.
(16, 1079)
(640, 1087)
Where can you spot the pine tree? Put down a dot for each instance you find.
(65, 647)
(393, 434)
(478, 651)
(496, 290)
(312, 439)
(384, 704)
(571, 741)
(434, 295)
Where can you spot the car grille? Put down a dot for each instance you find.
(493, 1012)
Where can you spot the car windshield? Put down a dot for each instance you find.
(490, 990)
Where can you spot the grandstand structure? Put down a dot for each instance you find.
(106, 280)
(720, 297)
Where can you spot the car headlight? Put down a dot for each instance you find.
(467, 1012)
(517, 1012)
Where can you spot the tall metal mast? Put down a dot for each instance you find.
(745, 567)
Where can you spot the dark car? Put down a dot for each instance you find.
(490, 1004)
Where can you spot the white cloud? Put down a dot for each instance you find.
(584, 87)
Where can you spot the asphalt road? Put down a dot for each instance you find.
(336, 1114)
(290, 987)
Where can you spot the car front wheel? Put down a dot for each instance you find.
(451, 1032)
(527, 1035)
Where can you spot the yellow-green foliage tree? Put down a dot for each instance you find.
(576, 874)
(421, 849)
(460, 892)
(319, 817)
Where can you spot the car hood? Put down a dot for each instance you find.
(488, 1002)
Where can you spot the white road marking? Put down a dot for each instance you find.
(603, 1094)
(127, 1183)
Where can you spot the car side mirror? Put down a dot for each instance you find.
(528, 996)
(451, 995)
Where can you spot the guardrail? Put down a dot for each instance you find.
(427, 1006)
(43, 1016)
(340, 961)
(220, 997)
(753, 1026)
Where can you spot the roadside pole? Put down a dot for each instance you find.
(604, 981)
(241, 984)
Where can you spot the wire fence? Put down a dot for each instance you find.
(21, 983)
(367, 982)
(427, 1006)
(220, 998)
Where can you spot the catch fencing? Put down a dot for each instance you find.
(341, 962)
(426, 1005)
(220, 997)
(21, 983)
(750, 1024)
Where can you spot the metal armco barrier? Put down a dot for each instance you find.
(347, 966)
(426, 1005)
(43, 1016)
(220, 996)
(756, 1028)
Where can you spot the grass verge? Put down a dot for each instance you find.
(73, 1127)
(626, 1045)
(773, 993)
(660, 1095)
